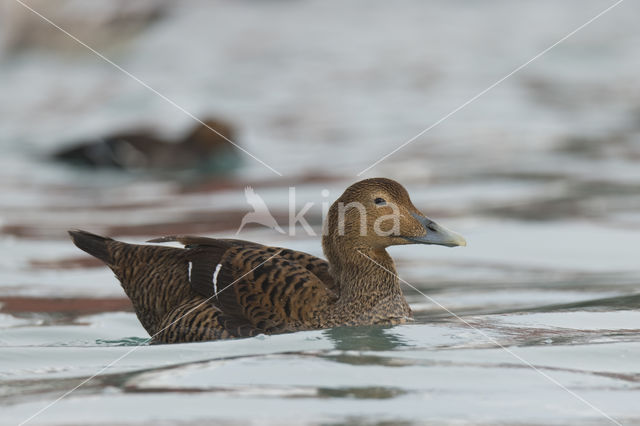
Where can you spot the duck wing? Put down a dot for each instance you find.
(258, 289)
(317, 266)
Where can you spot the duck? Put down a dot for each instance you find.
(213, 289)
(200, 149)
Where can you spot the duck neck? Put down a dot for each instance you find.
(366, 277)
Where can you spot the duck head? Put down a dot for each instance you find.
(203, 139)
(377, 213)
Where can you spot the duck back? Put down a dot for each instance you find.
(216, 288)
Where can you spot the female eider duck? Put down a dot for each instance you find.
(206, 148)
(223, 288)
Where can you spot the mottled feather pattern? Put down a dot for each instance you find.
(225, 288)
(270, 293)
(154, 278)
(270, 298)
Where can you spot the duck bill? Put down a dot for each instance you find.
(437, 234)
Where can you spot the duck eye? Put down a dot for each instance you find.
(380, 201)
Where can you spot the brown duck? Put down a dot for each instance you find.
(223, 288)
(201, 149)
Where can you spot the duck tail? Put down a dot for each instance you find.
(93, 244)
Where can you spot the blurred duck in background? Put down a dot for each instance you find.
(206, 149)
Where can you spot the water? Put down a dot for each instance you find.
(541, 175)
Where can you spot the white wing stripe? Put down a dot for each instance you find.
(215, 279)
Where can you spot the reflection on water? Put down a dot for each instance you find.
(125, 341)
(363, 393)
(370, 338)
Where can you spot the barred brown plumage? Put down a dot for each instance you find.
(224, 288)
